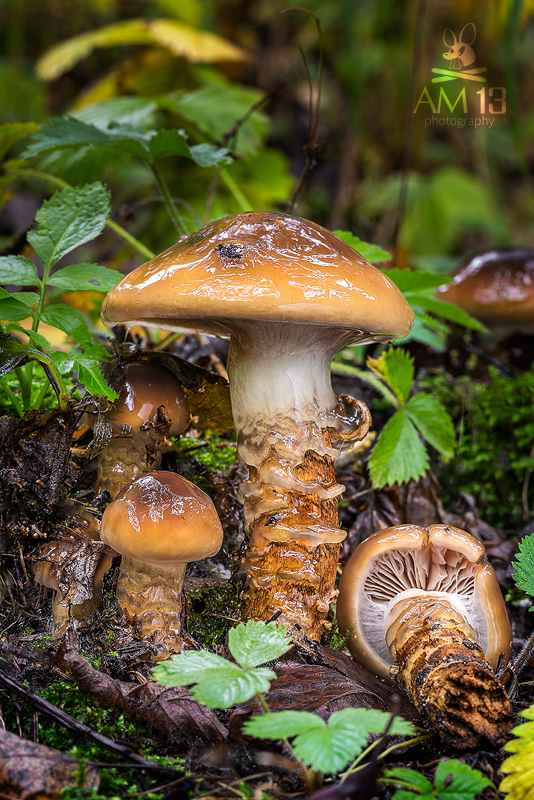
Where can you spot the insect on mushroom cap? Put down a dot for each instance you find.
(439, 560)
(260, 265)
(162, 518)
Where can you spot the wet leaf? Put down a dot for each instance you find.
(29, 771)
(19, 271)
(256, 643)
(371, 252)
(85, 278)
(173, 711)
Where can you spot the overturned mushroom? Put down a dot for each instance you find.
(159, 524)
(136, 446)
(423, 607)
(289, 294)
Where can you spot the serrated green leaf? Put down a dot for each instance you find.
(371, 252)
(434, 423)
(399, 454)
(26, 299)
(426, 331)
(208, 155)
(282, 725)
(85, 278)
(395, 367)
(91, 377)
(14, 307)
(138, 112)
(523, 573)
(35, 338)
(69, 320)
(63, 361)
(191, 667)
(69, 219)
(466, 782)
(329, 749)
(257, 642)
(60, 132)
(18, 271)
(403, 794)
(226, 687)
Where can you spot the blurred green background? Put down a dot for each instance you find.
(206, 64)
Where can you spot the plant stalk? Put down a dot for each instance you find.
(174, 214)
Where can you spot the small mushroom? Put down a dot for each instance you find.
(496, 287)
(136, 446)
(289, 294)
(159, 524)
(422, 607)
(74, 569)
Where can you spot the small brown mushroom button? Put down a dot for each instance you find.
(497, 287)
(136, 448)
(422, 607)
(159, 524)
(289, 294)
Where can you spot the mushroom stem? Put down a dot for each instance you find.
(152, 596)
(290, 428)
(445, 674)
(127, 458)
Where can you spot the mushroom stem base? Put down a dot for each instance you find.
(450, 683)
(152, 601)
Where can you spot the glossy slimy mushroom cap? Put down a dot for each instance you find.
(393, 568)
(146, 388)
(162, 519)
(266, 266)
(496, 287)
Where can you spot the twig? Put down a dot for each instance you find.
(72, 724)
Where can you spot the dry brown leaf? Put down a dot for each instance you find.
(32, 771)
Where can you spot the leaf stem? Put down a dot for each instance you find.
(14, 399)
(236, 192)
(368, 377)
(25, 388)
(61, 184)
(54, 376)
(176, 217)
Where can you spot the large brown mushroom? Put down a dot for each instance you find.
(289, 294)
(137, 446)
(159, 524)
(422, 607)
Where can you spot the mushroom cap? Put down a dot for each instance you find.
(496, 286)
(439, 560)
(146, 388)
(260, 265)
(162, 519)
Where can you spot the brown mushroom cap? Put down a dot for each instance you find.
(146, 388)
(162, 519)
(496, 287)
(439, 560)
(260, 265)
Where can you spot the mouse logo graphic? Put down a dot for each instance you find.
(461, 55)
(460, 51)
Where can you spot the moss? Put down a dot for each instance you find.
(212, 611)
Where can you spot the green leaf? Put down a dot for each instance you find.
(13, 353)
(257, 642)
(138, 112)
(445, 310)
(191, 667)
(519, 767)
(226, 687)
(395, 367)
(410, 777)
(85, 278)
(69, 320)
(69, 219)
(434, 423)
(14, 307)
(523, 573)
(34, 337)
(18, 271)
(168, 143)
(282, 725)
(208, 155)
(371, 252)
(465, 784)
(408, 280)
(399, 454)
(13, 132)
